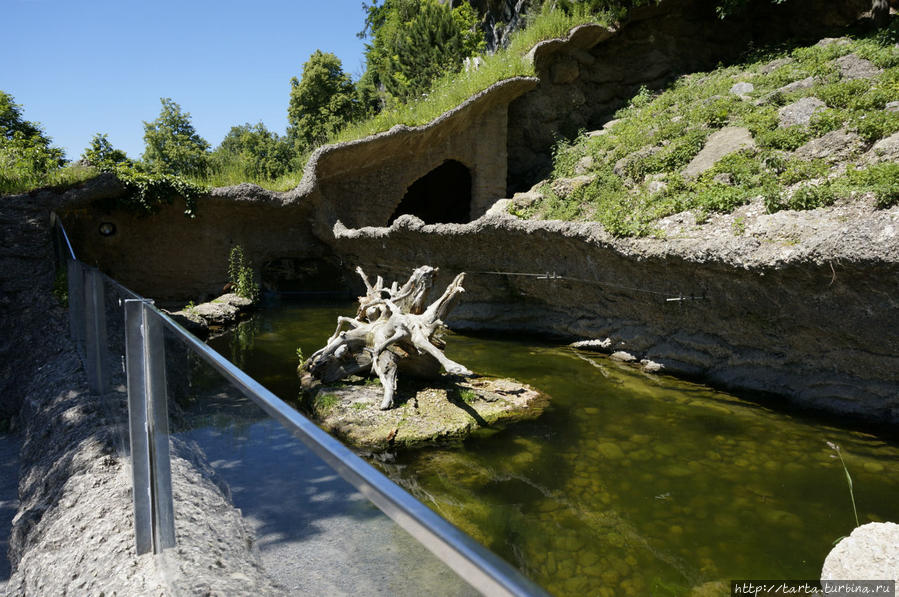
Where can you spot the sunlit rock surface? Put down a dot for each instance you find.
(448, 410)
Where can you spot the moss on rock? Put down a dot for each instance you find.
(447, 410)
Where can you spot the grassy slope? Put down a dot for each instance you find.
(658, 135)
(22, 180)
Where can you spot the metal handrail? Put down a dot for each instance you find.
(56, 223)
(480, 567)
(477, 565)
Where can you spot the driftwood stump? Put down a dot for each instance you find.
(391, 332)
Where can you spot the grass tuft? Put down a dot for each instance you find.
(22, 180)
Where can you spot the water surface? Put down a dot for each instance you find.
(630, 484)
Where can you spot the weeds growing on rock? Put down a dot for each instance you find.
(881, 179)
(468, 396)
(325, 402)
(241, 275)
(658, 133)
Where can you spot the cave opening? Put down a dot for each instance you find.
(441, 196)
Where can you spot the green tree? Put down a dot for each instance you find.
(101, 154)
(172, 145)
(25, 150)
(258, 152)
(415, 41)
(322, 102)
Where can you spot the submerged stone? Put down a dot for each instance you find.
(447, 409)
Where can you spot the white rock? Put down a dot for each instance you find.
(718, 145)
(742, 88)
(870, 552)
(800, 112)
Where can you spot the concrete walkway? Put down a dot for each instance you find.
(9, 496)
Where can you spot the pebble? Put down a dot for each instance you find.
(610, 450)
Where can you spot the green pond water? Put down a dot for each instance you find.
(629, 484)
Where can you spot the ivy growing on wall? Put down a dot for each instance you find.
(146, 193)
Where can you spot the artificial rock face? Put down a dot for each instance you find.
(391, 331)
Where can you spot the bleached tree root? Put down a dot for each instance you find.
(392, 331)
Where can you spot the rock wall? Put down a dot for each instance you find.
(362, 182)
(804, 306)
(26, 284)
(169, 256)
(586, 78)
(359, 183)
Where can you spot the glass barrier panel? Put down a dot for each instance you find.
(116, 402)
(75, 283)
(285, 521)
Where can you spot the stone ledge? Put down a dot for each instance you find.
(214, 316)
(444, 411)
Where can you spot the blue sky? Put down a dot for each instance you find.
(80, 68)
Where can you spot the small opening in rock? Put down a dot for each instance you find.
(443, 195)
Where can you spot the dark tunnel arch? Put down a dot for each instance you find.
(441, 196)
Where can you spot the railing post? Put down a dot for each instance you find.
(95, 347)
(154, 524)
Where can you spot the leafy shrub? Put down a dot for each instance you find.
(744, 167)
(27, 158)
(252, 152)
(799, 170)
(101, 154)
(641, 99)
(812, 196)
(873, 126)
(882, 48)
(825, 121)
(881, 179)
(842, 94)
(321, 103)
(720, 198)
(172, 145)
(241, 275)
(414, 41)
(718, 112)
(672, 157)
(761, 121)
(788, 138)
(566, 153)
